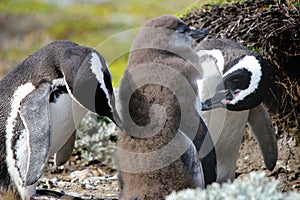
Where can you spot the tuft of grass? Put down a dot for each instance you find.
(188, 10)
(224, 2)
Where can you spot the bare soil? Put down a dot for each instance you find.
(95, 180)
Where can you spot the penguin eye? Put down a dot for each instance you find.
(236, 92)
(182, 28)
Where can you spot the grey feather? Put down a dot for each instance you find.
(161, 74)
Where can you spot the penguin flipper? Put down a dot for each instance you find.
(34, 112)
(261, 126)
(65, 152)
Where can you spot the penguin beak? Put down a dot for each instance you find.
(219, 100)
(197, 34)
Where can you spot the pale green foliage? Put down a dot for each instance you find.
(256, 186)
(94, 139)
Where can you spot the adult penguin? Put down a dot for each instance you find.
(42, 101)
(234, 84)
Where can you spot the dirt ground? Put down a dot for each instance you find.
(95, 180)
(287, 169)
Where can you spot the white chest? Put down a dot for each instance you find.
(226, 127)
(66, 115)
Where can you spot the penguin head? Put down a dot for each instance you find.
(178, 27)
(89, 82)
(168, 31)
(243, 85)
(105, 102)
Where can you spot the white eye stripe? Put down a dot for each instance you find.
(96, 67)
(251, 64)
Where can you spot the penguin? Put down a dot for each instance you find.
(235, 81)
(245, 75)
(165, 133)
(42, 101)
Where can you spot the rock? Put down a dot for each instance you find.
(82, 174)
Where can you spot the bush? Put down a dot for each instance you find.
(256, 186)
